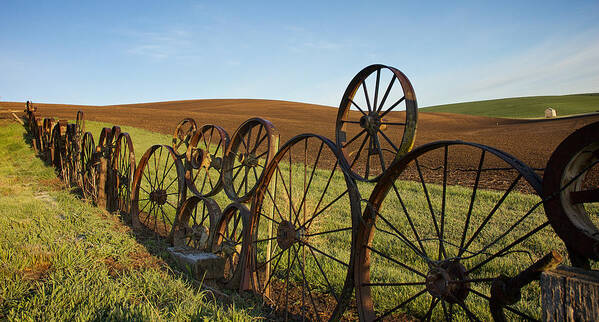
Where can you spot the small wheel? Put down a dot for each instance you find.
(372, 137)
(228, 241)
(80, 126)
(183, 134)
(196, 223)
(301, 231)
(252, 147)
(158, 190)
(438, 236)
(204, 160)
(123, 165)
(90, 163)
(571, 187)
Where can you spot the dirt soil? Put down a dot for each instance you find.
(531, 141)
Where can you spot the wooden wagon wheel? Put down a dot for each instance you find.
(228, 241)
(204, 160)
(571, 186)
(63, 162)
(438, 239)
(158, 190)
(39, 136)
(377, 133)
(196, 222)
(252, 147)
(123, 165)
(301, 231)
(183, 134)
(90, 163)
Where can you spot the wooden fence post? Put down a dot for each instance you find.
(570, 294)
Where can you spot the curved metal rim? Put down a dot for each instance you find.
(378, 195)
(193, 143)
(573, 234)
(87, 136)
(137, 180)
(123, 137)
(175, 137)
(409, 134)
(233, 282)
(181, 223)
(354, 197)
(272, 135)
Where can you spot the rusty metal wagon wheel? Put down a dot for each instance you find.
(439, 236)
(301, 231)
(228, 241)
(57, 143)
(196, 222)
(123, 165)
(90, 163)
(204, 160)
(183, 134)
(79, 126)
(571, 187)
(39, 137)
(72, 155)
(252, 147)
(383, 128)
(47, 138)
(158, 190)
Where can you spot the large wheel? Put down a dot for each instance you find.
(72, 155)
(183, 134)
(57, 143)
(384, 126)
(252, 147)
(196, 223)
(442, 228)
(571, 187)
(47, 138)
(228, 240)
(80, 126)
(90, 164)
(123, 165)
(158, 190)
(301, 228)
(204, 160)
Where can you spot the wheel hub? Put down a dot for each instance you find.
(444, 281)
(370, 122)
(248, 159)
(287, 234)
(158, 196)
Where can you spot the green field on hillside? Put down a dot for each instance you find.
(524, 107)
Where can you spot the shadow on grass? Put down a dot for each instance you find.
(158, 247)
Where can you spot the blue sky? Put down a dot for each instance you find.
(111, 52)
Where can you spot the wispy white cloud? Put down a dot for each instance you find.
(556, 66)
(160, 45)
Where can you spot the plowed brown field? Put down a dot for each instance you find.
(532, 141)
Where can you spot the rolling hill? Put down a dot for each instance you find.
(524, 107)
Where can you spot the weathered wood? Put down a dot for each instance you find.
(102, 183)
(570, 294)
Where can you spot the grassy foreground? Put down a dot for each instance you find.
(63, 259)
(524, 107)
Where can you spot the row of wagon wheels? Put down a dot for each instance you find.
(433, 238)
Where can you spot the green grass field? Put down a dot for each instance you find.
(63, 259)
(79, 239)
(524, 107)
